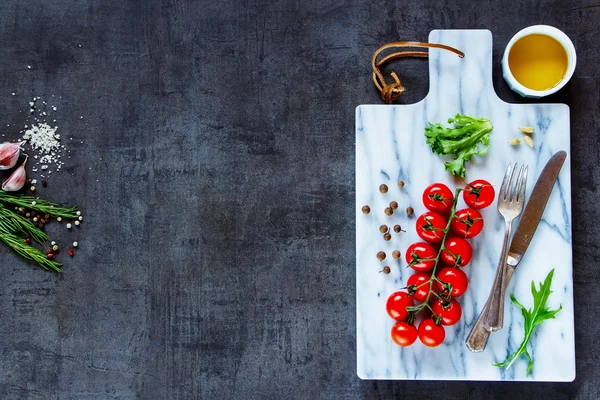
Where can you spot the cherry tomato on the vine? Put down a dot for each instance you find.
(450, 312)
(419, 283)
(420, 256)
(430, 227)
(430, 334)
(458, 252)
(456, 278)
(467, 223)
(438, 197)
(396, 305)
(479, 194)
(404, 334)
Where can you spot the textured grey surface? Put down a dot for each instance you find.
(216, 176)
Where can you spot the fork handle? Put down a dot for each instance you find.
(479, 335)
(494, 318)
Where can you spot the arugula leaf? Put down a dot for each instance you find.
(462, 141)
(532, 319)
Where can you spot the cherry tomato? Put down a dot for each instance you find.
(479, 194)
(418, 282)
(467, 223)
(404, 334)
(449, 311)
(430, 227)
(456, 278)
(438, 197)
(396, 305)
(430, 334)
(458, 252)
(420, 256)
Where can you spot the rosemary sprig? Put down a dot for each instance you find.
(39, 205)
(29, 252)
(11, 222)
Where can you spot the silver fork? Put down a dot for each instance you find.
(510, 205)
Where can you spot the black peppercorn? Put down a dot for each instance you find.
(388, 211)
(386, 270)
(383, 188)
(394, 205)
(401, 184)
(396, 254)
(410, 211)
(383, 229)
(381, 256)
(366, 209)
(387, 237)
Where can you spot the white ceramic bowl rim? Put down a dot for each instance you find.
(554, 33)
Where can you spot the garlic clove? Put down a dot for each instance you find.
(16, 180)
(9, 155)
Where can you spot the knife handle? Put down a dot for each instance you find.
(478, 337)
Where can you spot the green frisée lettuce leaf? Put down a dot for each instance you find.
(467, 137)
(533, 317)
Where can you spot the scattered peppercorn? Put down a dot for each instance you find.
(401, 184)
(387, 237)
(44, 184)
(50, 256)
(366, 209)
(386, 270)
(28, 240)
(396, 254)
(388, 211)
(55, 248)
(77, 223)
(71, 252)
(394, 205)
(383, 188)
(410, 211)
(381, 256)
(398, 229)
(383, 229)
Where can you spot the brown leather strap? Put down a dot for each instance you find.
(391, 92)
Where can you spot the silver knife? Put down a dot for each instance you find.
(478, 337)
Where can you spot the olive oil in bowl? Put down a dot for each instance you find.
(538, 61)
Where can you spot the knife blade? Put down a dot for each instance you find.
(530, 219)
(534, 209)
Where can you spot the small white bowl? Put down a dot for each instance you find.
(554, 33)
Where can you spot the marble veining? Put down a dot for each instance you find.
(390, 146)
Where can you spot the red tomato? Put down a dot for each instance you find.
(456, 278)
(438, 197)
(419, 284)
(430, 227)
(449, 311)
(458, 252)
(479, 194)
(396, 305)
(404, 334)
(467, 223)
(430, 334)
(420, 256)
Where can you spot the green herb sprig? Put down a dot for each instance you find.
(29, 252)
(533, 317)
(39, 205)
(467, 137)
(11, 222)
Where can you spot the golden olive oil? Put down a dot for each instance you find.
(538, 62)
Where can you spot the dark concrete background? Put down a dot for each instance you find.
(216, 174)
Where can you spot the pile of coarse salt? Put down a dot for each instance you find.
(44, 140)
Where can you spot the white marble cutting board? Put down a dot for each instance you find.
(390, 146)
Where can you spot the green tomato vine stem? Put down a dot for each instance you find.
(433, 277)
